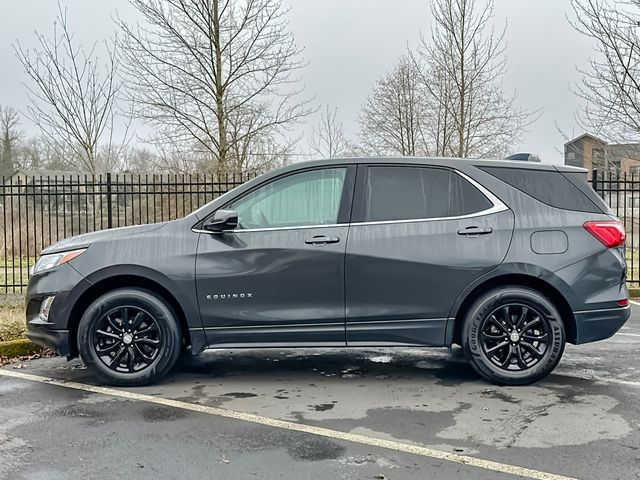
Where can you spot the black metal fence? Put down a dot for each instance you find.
(621, 191)
(39, 211)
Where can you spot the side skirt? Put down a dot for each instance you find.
(387, 333)
(414, 332)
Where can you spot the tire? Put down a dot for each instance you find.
(530, 353)
(129, 337)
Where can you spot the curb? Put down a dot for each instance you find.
(19, 348)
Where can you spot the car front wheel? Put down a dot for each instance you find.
(129, 337)
(513, 335)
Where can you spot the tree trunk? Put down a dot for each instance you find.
(219, 95)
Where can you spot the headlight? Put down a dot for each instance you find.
(45, 262)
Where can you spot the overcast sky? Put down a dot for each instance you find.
(349, 43)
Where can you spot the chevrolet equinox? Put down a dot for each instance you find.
(510, 260)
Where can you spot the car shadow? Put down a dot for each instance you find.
(444, 366)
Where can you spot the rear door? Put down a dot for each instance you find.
(419, 236)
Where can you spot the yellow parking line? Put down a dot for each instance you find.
(298, 427)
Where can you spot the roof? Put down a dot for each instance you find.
(522, 157)
(586, 135)
(62, 173)
(42, 173)
(441, 161)
(628, 150)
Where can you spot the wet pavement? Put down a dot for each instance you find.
(582, 421)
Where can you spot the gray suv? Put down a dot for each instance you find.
(507, 259)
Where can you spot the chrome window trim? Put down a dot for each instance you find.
(488, 211)
(271, 229)
(498, 206)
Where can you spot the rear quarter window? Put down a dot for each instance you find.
(549, 187)
(579, 179)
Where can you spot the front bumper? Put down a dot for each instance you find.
(594, 325)
(40, 332)
(65, 284)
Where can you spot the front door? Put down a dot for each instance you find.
(419, 236)
(278, 279)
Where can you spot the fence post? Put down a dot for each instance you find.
(594, 181)
(109, 208)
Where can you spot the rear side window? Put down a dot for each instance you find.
(406, 193)
(579, 179)
(549, 187)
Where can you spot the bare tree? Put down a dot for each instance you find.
(198, 66)
(462, 67)
(32, 154)
(327, 137)
(9, 137)
(256, 150)
(72, 95)
(394, 116)
(439, 99)
(141, 160)
(610, 85)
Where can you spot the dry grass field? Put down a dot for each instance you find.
(12, 322)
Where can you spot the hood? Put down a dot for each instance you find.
(84, 240)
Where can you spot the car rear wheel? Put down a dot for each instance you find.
(513, 335)
(129, 337)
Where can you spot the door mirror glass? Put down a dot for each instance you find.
(222, 220)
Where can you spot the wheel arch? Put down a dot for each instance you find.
(106, 281)
(519, 279)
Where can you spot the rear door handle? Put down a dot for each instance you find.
(321, 240)
(475, 231)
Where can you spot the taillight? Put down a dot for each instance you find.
(609, 232)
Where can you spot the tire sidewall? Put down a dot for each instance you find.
(493, 300)
(167, 324)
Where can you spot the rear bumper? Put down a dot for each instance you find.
(594, 325)
(40, 332)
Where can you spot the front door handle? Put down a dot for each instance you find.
(321, 240)
(475, 231)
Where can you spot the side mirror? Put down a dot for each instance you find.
(221, 221)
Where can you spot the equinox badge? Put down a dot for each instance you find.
(229, 296)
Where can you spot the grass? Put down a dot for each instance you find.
(21, 349)
(14, 346)
(12, 322)
(12, 319)
(633, 261)
(15, 271)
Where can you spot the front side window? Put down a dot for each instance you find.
(406, 193)
(301, 199)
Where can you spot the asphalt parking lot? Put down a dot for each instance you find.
(361, 414)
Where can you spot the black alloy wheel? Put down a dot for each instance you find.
(130, 337)
(515, 336)
(127, 339)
